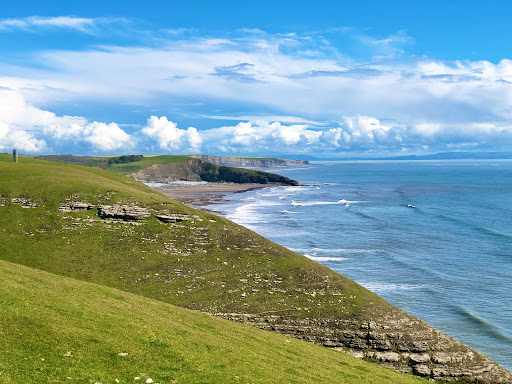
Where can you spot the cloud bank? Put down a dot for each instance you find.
(34, 130)
(317, 99)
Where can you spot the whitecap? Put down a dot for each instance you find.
(390, 287)
(324, 258)
(311, 203)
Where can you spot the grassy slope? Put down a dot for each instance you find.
(145, 162)
(234, 268)
(43, 317)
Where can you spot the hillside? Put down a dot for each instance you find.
(58, 329)
(169, 168)
(114, 231)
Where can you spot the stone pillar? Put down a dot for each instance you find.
(14, 155)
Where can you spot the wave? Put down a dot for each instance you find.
(484, 326)
(287, 211)
(324, 258)
(481, 229)
(311, 203)
(316, 250)
(390, 287)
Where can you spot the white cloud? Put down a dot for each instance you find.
(105, 137)
(19, 139)
(169, 137)
(33, 22)
(34, 130)
(389, 104)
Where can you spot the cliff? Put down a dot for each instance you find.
(199, 170)
(255, 162)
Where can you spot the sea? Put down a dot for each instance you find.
(433, 238)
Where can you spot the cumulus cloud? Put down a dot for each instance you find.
(169, 137)
(19, 139)
(34, 130)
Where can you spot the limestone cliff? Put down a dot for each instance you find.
(256, 162)
(199, 170)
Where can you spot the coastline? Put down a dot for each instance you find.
(201, 195)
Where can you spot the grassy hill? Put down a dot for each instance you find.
(171, 168)
(209, 264)
(56, 329)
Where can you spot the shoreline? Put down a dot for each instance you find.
(199, 196)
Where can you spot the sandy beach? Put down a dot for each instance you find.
(207, 194)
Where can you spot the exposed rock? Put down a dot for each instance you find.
(173, 218)
(123, 212)
(76, 206)
(249, 162)
(197, 170)
(25, 202)
(419, 358)
(385, 356)
(421, 370)
(414, 346)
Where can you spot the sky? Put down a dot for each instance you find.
(325, 78)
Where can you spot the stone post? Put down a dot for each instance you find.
(14, 155)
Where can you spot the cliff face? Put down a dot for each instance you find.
(249, 162)
(199, 170)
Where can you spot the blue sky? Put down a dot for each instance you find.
(323, 78)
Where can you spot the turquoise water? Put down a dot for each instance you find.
(433, 238)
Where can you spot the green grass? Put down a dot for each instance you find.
(56, 329)
(232, 261)
(145, 162)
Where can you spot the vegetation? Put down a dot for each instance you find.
(212, 172)
(58, 329)
(190, 167)
(218, 260)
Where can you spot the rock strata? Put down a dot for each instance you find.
(397, 341)
(173, 218)
(123, 212)
(76, 206)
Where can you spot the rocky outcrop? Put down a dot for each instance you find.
(395, 340)
(123, 212)
(25, 202)
(76, 206)
(249, 162)
(173, 218)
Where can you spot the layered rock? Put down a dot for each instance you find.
(393, 339)
(249, 162)
(199, 170)
(76, 206)
(173, 218)
(123, 212)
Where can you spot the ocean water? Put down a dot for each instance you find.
(433, 238)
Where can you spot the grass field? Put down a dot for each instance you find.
(56, 329)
